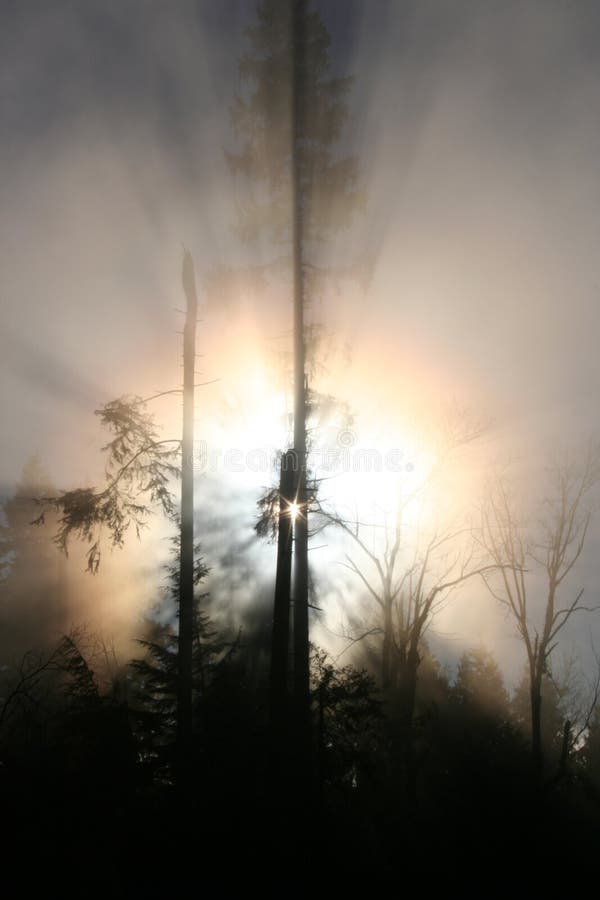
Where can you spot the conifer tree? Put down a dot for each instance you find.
(288, 121)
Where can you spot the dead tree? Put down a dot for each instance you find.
(186, 526)
(139, 471)
(395, 569)
(408, 592)
(549, 553)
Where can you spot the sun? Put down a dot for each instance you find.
(294, 510)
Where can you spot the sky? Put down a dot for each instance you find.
(476, 128)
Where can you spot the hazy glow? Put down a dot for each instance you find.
(479, 159)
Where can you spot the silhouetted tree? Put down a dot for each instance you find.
(54, 719)
(480, 710)
(549, 555)
(479, 685)
(551, 723)
(139, 471)
(155, 691)
(393, 568)
(156, 675)
(348, 723)
(408, 591)
(475, 762)
(185, 638)
(288, 122)
(591, 750)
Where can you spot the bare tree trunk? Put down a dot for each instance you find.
(410, 689)
(536, 726)
(555, 552)
(564, 751)
(320, 775)
(281, 608)
(186, 584)
(408, 697)
(387, 650)
(301, 636)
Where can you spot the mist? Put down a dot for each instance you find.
(452, 341)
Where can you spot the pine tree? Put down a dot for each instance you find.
(479, 685)
(288, 122)
(156, 675)
(349, 723)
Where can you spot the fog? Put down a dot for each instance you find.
(476, 130)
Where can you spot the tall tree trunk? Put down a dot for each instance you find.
(387, 649)
(565, 748)
(301, 637)
(186, 573)
(536, 725)
(281, 606)
(408, 698)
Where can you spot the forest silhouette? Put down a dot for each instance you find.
(223, 748)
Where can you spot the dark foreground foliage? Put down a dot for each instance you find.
(90, 802)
